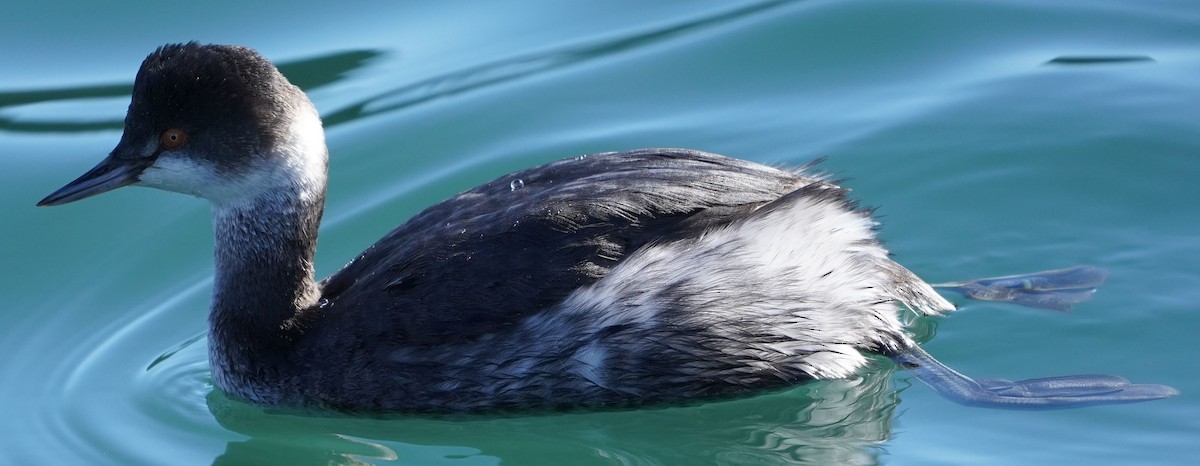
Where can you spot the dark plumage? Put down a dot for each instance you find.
(493, 255)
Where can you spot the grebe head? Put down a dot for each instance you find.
(214, 121)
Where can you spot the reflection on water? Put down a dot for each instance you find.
(822, 423)
(306, 74)
(501, 71)
(1099, 60)
(318, 71)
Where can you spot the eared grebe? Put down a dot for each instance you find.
(614, 279)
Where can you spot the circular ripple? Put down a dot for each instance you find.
(136, 392)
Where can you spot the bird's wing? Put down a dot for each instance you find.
(489, 257)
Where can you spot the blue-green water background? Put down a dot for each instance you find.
(982, 158)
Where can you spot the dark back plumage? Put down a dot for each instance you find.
(493, 255)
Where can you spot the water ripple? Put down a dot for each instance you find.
(510, 69)
(158, 401)
(21, 111)
(177, 383)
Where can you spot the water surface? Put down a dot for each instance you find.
(994, 137)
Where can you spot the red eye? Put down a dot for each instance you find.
(173, 138)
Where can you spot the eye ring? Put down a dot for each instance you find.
(173, 138)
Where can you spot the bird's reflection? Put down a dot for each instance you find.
(827, 422)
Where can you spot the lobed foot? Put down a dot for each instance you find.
(1051, 289)
(1042, 393)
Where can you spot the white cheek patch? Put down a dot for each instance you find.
(177, 172)
(306, 157)
(296, 168)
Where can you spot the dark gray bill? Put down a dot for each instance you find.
(110, 174)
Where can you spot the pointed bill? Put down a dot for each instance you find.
(109, 174)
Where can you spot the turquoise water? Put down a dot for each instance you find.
(983, 157)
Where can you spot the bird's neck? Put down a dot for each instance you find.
(264, 264)
(264, 287)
